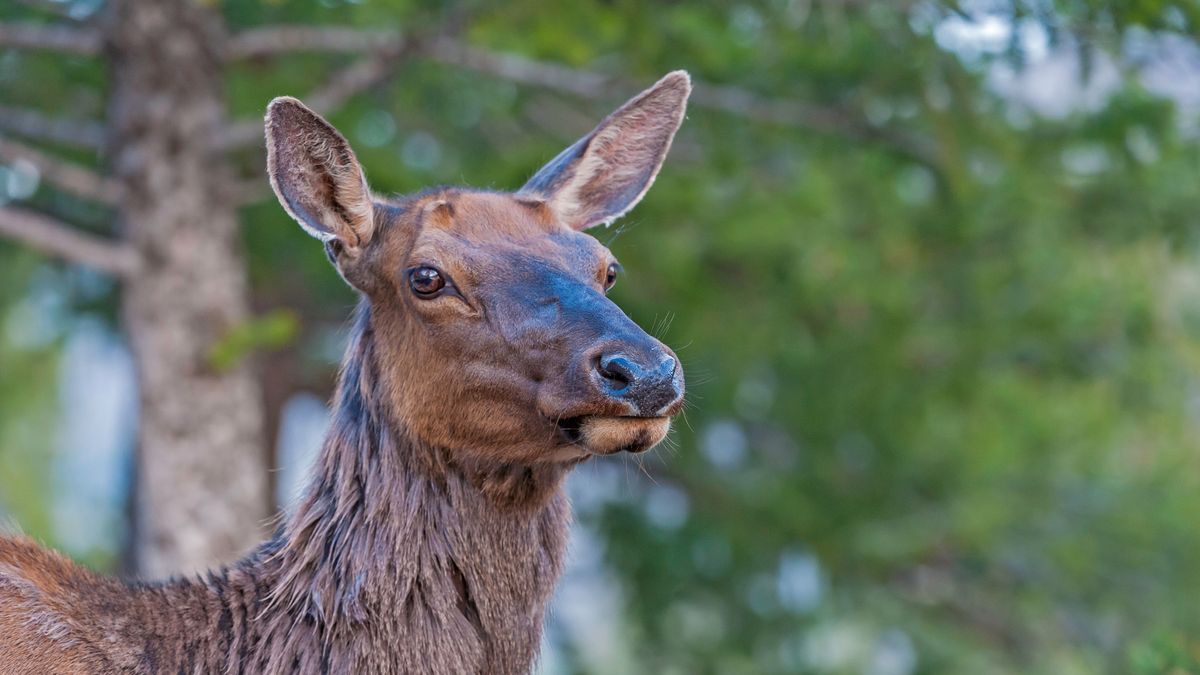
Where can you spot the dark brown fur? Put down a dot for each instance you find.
(433, 532)
(391, 546)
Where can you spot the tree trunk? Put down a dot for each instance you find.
(201, 483)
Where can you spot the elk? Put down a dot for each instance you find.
(485, 362)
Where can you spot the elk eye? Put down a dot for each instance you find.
(426, 281)
(610, 277)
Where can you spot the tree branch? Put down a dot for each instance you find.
(241, 135)
(39, 126)
(61, 10)
(733, 100)
(249, 191)
(354, 79)
(58, 239)
(65, 175)
(66, 39)
(277, 40)
(583, 83)
(343, 85)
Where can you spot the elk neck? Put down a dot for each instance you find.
(393, 538)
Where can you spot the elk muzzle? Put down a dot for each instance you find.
(636, 385)
(605, 383)
(649, 385)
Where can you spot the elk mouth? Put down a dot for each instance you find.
(609, 435)
(569, 430)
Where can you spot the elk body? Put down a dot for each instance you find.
(485, 362)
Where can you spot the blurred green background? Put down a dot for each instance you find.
(932, 269)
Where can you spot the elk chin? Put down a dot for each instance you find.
(610, 435)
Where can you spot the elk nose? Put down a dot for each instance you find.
(648, 388)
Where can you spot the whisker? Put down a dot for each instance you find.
(654, 325)
(670, 444)
(625, 472)
(661, 326)
(621, 229)
(670, 320)
(644, 471)
(554, 428)
(683, 414)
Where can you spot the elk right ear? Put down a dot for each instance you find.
(316, 176)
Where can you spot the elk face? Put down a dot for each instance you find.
(491, 321)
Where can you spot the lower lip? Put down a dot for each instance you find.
(570, 431)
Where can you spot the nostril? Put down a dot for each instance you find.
(668, 367)
(616, 369)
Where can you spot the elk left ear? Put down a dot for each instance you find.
(606, 173)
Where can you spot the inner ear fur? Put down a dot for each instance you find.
(316, 176)
(608, 171)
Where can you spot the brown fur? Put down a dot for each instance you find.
(433, 532)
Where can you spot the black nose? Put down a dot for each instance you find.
(648, 388)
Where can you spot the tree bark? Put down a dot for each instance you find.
(201, 482)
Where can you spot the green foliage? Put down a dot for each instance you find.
(1165, 655)
(942, 351)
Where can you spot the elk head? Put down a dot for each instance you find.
(494, 335)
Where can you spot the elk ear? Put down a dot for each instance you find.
(316, 176)
(606, 173)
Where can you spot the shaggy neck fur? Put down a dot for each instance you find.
(396, 561)
(395, 550)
